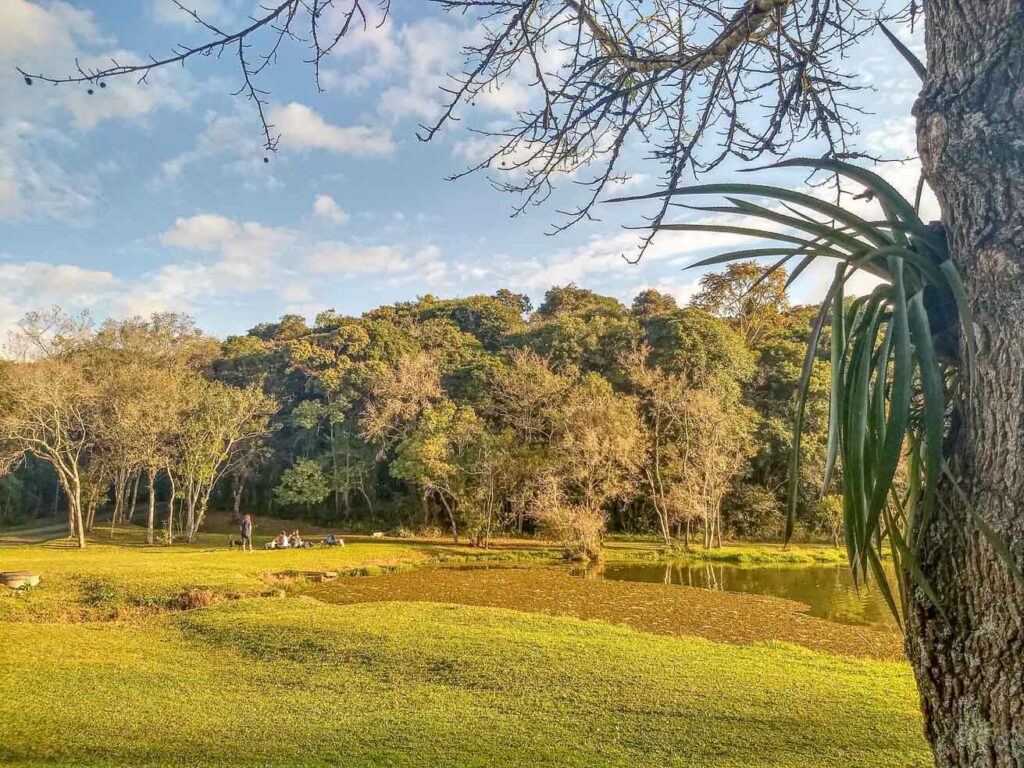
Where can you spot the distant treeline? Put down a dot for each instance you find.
(475, 417)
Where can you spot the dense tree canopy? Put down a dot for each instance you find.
(473, 415)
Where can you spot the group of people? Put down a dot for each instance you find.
(282, 541)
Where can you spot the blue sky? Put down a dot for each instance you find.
(156, 197)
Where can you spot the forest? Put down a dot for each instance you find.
(467, 417)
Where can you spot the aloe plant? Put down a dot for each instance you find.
(896, 371)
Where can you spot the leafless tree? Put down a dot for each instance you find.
(693, 82)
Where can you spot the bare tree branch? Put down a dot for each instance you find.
(690, 84)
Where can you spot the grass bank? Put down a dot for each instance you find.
(119, 581)
(733, 554)
(298, 682)
(103, 665)
(658, 608)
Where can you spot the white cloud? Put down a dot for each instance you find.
(120, 98)
(247, 251)
(344, 259)
(32, 183)
(325, 207)
(233, 134)
(299, 291)
(56, 282)
(301, 128)
(33, 285)
(35, 120)
(429, 51)
(32, 32)
(54, 39)
(424, 265)
(412, 62)
(240, 258)
(895, 139)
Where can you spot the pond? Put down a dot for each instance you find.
(828, 590)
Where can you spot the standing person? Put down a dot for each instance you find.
(247, 533)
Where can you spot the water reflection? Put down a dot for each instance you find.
(828, 590)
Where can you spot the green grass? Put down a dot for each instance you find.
(106, 581)
(99, 667)
(293, 681)
(735, 554)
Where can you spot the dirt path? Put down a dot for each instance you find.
(663, 609)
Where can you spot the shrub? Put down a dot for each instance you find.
(577, 529)
(753, 512)
(193, 598)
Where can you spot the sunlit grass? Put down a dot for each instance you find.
(735, 554)
(110, 581)
(101, 666)
(297, 682)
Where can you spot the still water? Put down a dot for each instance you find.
(828, 590)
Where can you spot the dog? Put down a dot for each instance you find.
(233, 542)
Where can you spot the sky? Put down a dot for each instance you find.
(154, 197)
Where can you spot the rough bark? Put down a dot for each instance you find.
(151, 514)
(74, 496)
(135, 496)
(237, 491)
(970, 117)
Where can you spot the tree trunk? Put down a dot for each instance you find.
(135, 496)
(119, 488)
(170, 508)
(151, 516)
(74, 494)
(970, 123)
(451, 517)
(237, 491)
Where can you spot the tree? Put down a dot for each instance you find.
(664, 401)
(830, 512)
(50, 410)
(596, 445)
(397, 398)
(719, 429)
(218, 422)
(451, 455)
(303, 484)
(763, 77)
(701, 347)
(650, 303)
(745, 297)
(144, 364)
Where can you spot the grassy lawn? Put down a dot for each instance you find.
(295, 681)
(107, 581)
(124, 579)
(733, 554)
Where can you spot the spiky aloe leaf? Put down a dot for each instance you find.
(889, 398)
(798, 419)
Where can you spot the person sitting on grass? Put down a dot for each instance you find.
(281, 542)
(296, 540)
